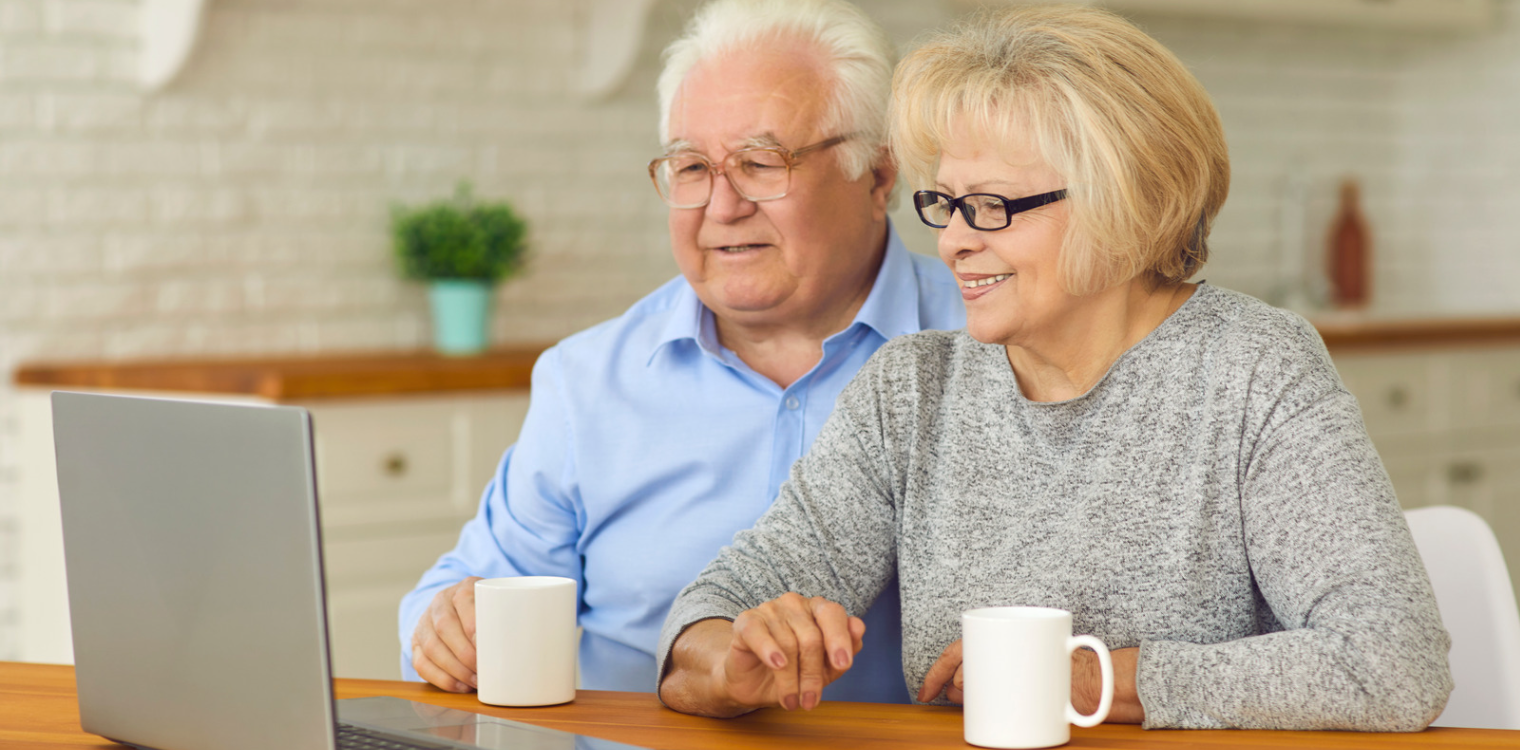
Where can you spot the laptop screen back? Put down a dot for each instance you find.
(195, 592)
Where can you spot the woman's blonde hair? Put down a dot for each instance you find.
(1115, 113)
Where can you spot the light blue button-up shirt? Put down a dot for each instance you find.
(647, 446)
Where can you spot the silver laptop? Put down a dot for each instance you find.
(193, 552)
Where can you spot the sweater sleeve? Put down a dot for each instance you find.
(830, 533)
(1360, 645)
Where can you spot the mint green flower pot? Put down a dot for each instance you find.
(461, 316)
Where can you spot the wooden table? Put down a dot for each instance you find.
(38, 712)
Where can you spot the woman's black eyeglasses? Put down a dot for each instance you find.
(982, 211)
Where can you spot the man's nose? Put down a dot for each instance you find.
(726, 204)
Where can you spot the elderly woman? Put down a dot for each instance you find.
(1176, 464)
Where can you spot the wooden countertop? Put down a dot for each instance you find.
(1356, 333)
(378, 374)
(290, 378)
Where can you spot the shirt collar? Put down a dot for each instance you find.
(891, 309)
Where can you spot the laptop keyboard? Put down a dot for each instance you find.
(351, 737)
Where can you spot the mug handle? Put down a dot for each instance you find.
(1106, 664)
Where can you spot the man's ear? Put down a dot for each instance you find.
(884, 178)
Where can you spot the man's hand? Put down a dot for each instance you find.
(947, 676)
(443, 645)
(781, 653)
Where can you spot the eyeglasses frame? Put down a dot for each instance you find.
(788, 156)
(1011, 206)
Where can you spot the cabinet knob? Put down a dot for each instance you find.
(1464, 472)
(394, 465)
(1398, 397)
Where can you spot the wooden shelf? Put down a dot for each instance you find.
(291, 378)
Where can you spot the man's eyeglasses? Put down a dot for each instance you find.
(983, 211)
(685, 180)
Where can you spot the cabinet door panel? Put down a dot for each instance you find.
(366, 578)
(362, 631)
(1486, 389)
(1398, 394)
(1505, 478)
(377, 450)
(353, 559)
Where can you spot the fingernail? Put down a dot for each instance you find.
(778, 660)
(474, 680)
(841, 659)
(789, 702)
(809, 701)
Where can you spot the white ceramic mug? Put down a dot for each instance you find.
(1017, 671)
(525, 640)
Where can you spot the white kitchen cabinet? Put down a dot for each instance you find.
(1446, 423)
(396, 478)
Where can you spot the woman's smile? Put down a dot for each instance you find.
(974, 286)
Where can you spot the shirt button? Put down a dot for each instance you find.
(792, 403)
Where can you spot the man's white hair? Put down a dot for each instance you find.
(856, 53)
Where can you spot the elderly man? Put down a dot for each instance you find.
(654, 437)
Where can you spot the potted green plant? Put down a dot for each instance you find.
(462, 248)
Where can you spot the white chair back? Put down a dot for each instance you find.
(1478, 607)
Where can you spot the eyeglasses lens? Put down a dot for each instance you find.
(933, 208)
(758, 175)
(985, 212)
(684, 180)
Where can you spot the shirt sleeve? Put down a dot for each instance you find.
(530, 516)
(830, 533)
(1360, 643)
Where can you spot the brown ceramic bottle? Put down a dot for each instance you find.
(1350, 251)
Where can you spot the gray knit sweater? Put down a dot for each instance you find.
(1214, 500)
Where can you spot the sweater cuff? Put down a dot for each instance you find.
(1153, 688)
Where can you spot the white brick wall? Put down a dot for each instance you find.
(115, 19)
(243, 209)
(1311, 105)
(1460, 149)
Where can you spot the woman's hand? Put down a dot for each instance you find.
(947, 676)
(781, 653)
(1087, 685)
